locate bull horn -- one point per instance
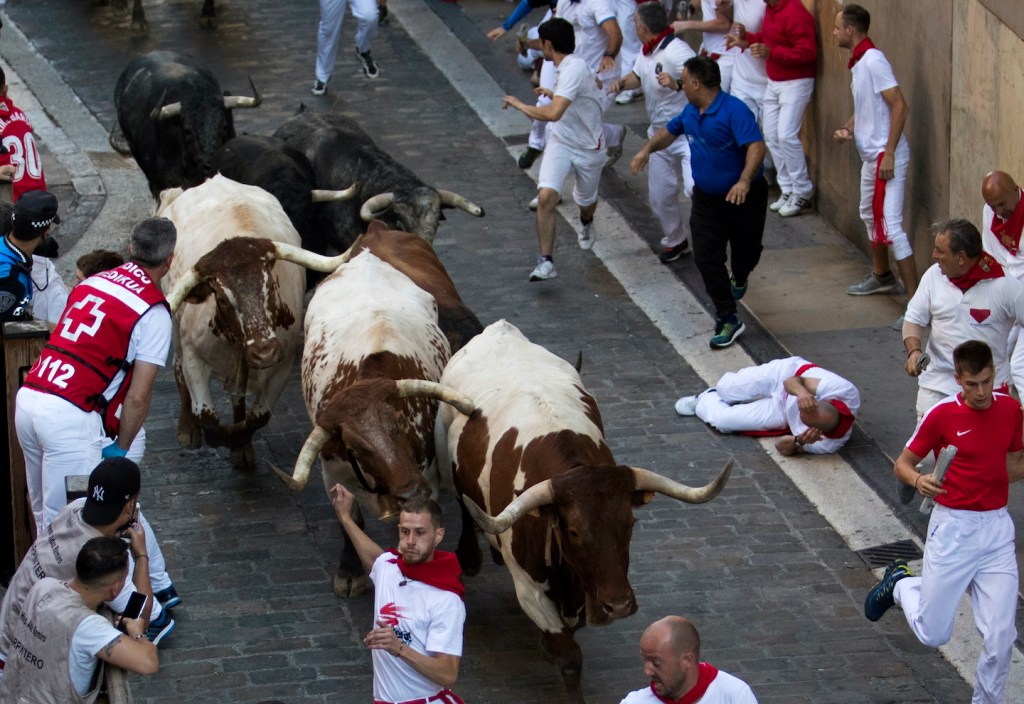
(240, 101)
(181, 290)
(375, 205)
(117, 140)
(421, 387)
(162, 112)
(311, 260)
(454, 200)
(325, 196)
(304, 462)
(536, 496)
(646, 480)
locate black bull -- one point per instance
(173, 116)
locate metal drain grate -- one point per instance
(110, 160)
(882, 555)
(514, 139)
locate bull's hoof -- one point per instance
(190, 438)
(496, 556)
(347, 586)
(243, 457)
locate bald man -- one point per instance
(670, 649)
(1002, 220)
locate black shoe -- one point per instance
(670, 254)
(906, 492)
(319, 88)
(369, 68)
(382, 15)
(527, 158)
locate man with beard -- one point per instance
(416, 644)
(109, 509)
(671, 652)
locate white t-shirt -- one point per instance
(748, 71)
(726, 689)
(986, 312)
(663, 103)
(92, 635)
(831, 387)
(581, 124)
(1013, 264)
(49, 294)
(586, 17)
(425, 618)
(150, 342)
(871, 114)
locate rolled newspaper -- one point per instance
(942, 463)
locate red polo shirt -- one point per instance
(788, 30)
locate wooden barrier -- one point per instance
(23, 342)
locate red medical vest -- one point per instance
(90, 343)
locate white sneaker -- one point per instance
(544, 270)
(783, 199)
(628, 96)
(587, 235)
(615, 152)
(794, 206)
(687, 406)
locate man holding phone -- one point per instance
(416, 642)
(109, 510)
(59, 639)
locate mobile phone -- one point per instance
(136, 602)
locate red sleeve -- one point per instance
(928, 435)
(802, 47)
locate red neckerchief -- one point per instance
(860, 50)
(985, 268)
(706, 675)
(650, 46)
(880, 235)
(443, 572)
(1008, 231)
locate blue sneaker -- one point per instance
(160, 628)
(880, 599)
(168, 598)
(726, 331)
(738, 291)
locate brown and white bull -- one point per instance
(243, 322)
(370, 365)
(534, 457)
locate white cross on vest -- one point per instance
(85, 321)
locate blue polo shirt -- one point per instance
(717, 138)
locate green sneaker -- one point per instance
(738, 291)
(726, 332)
(880, 599)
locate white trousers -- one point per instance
(784, 104)
(624, 12)
(540, 128)
(753, 98)
(748, 399)
(332, 12)
(893, 209)
(967, 550)
(668, 173)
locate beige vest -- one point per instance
(40, 643)
(52, 555)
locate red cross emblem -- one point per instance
(84, 317)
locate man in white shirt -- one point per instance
(964, 296)
(1002, 222)
(655, 73)
(671, 652)
(416, 642)
(811, 408)
(749, 76)
(879, 114)
(576, 142)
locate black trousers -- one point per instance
(721, 229)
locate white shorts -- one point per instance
(559, 160)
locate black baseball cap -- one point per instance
(34, 212)
(114, 481)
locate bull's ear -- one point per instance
(643, 497)
(200, 293)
